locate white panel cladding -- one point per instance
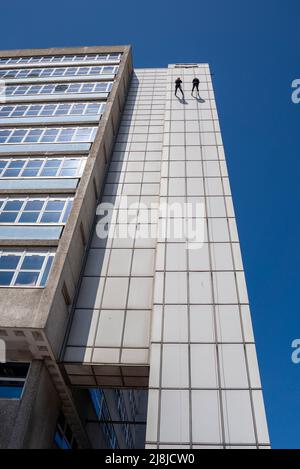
(204, 387)
(115, 300)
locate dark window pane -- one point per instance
(9, 261)
(13, 205)
(59, 88)
(29, 217)
(13, 370)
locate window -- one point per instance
(42, 167)
(48, 135)
(12, 379)
(43, 110)
(58, 72)
(27, 268)
(103, 414)
(64, 438)
(35, 210)
(123, 417)
(60, 58)
(61, 88)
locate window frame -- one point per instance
(55, 107)
(47, 253)
(58, 175)
(23, 135)
(41, 212)
(43, 59)
(42, 72)
(24, 380)
(49, 88)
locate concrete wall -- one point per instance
(30, 421)
(46, 309)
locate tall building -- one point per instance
(123, 305)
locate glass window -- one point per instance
(34, 164)
(48, 172)
(28, 217)
(27, 278)
(12, 379)
(15, 164)
(44, 210)
(57, 72)
(11, 173)
(5, 278)
(32, 262)
(46, 271)
(25, 268)
(34, 205)
(9, 261)
(30, 172)
(62, 58)
(55, 205)
(50, 217)
(63, 437)
(44, 134)
(35, 167)
(102, 413)
(60, 88)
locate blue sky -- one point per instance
(252, 48)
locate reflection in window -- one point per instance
(64, 438)
(123, 418)
(44, 110)
(35, 210)
(48, 135)
(12, 379)
(60, 58)
(58, 72)
(28, 268)
(42, 168)
(61, 88)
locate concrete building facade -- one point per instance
(124, 327)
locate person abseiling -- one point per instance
(196, 82)
(178, 82)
